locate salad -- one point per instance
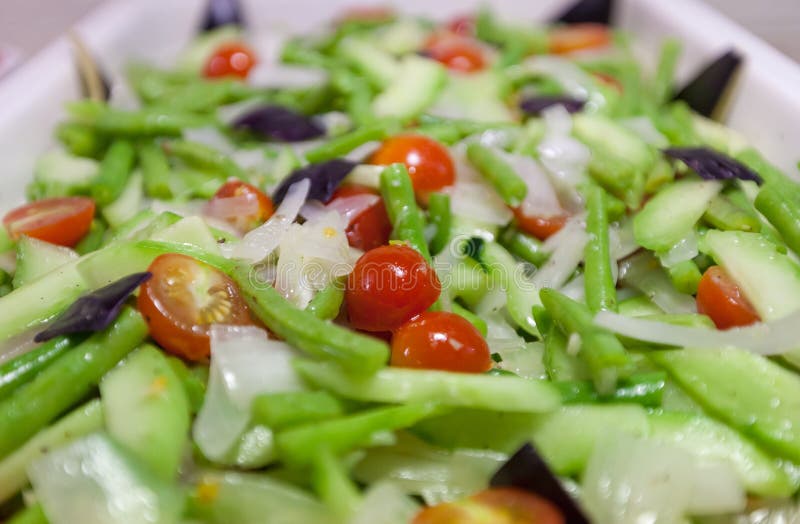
(402, 270)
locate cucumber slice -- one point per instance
(58, 173)
(128, 204)
(476, 97)
(415, 86)
(36, 258)
(670, 215)
(147, 411)
(191, 230)
(377, 65)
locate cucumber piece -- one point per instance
(638, 306)
(147, 411)
(191, 230)
(6, 242)
(156, 224)
(406, 35)
(109, 264)
(58, 173)
(769, 411)
(128, 204)
(36, 258)
(724, 214)
(397, 385)
(475, 97)
(378, 66)
(331, 481)
(717, 135)
(670, 215)
(708, 439)
(134, 225)
(415, 87)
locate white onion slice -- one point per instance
(350, 207)
(283, 76)
(643, 127)
(478, 201)
(566, 255)
(541, 199)
(209, 136)
(683, 250)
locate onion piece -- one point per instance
(575, 81)
(541, 199)
(564, 158)
(683, 250)
(209, 136)
(265, 75)
(567, 253)
(644, 128)
(478, 201)
(350, 207)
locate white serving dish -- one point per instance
(765, 105)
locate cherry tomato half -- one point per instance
(370, 228)
(428, 162)
(540, 227)
(719, 297)
(63, 221)
(458, 53)
(240, 204)
(440, 340)
(388, 286)
(493, 506)
(183, 299)
(232, 59)
(577, 37)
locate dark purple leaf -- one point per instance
(712, 165)
(586, 11)
(95, 311)
(221, 13)
(528, 471)
(279, 123)
(325, 177)
(707, 89)
(534, 105)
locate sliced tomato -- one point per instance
(242, 205)
(540, 227)
(429, 163)
(371, 227)
(463, 25)
(183, 299)
(440, 340)
(63, 221)
(233, 59)
(388, 286)
(459, 53)
(719, 297)
(579, 37)
(493, 506)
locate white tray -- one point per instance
(765, 105)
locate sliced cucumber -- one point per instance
(36, 258)
(128, 204)
(190, 230)
(415, 86)
(58, 173)
(476, 97)
(377, 65)
(147, 411)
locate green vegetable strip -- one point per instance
(22, 369)
(439, 215)
(193, 380)
(31, 515)
(603, 353)
(642, 388)
(155, 170)
(664, 85)
(327, 302)
(341, 145)
(115, 170)
(83, 420)
(80, 139)
(147, 122)
(507, 183)
(401, 206)
(333, 484)
(726, 215)
(523, 246)
(471, 317)
(769, 173)
(782, 212)
(67, 380)
(204, 157)
(280, 410)
(358, 353)
(685, 276)
(300, 444)
(93, 239)
(601, 293)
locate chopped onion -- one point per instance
(209, 136)
(643, 127)
(541, 199)
(250, 159)
(231, 207)
(366, 175)
(622, 241)
(643, 272)
(313, 209)
(525, 361)
(567, 253)
(478, 201)
(362, 152)
(499, 138)
(575, 81)
(386, 503)
(575, 288)
(259, 243)
(565, 158)
(465, 171)
(350, 207)
(266, 75)
(683, 250)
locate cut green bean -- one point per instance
(497, 171)
(281, 410)
(327, 302)
(115, 169)
(356, 352)
(341, 145)
(23, 368)
(147, 122)
(81, 139)
(523, 246)
(204, 157)
(401, 206)
(439, 215)
(600, 290)
(685, 276)
(782, 211)
(31, 515)
(67, 380)
(640, 388)
(93, 239)
(155, 170)
(724, 214)
(194, 382)
(769, 173)
(471, 317)
(332, 482)
(663, 85)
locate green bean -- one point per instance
(194, 382)
(81, 139)
(67, 380)
(155, 170)
(93, 239)
(685, 276)
(146, 122)
(724, 214)
(603, 353)
(769, 173)
(559, 364)
(356, 352)
(203, 97)
(115, 169)
(439, 215)
(204, 157)
(523, 246)
(401, 206)
(782, 211)
(343, 144)
(294, 52)
(601, 293)
(640, 388)
(471, 317)
(664, 82)
(281, 410)
(502, 177)
(443, 133)
(358, 95)
(23, 368)
(333, 484)
(327, 302)
(31, 515)
(83, 420)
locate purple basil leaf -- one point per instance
(221, 13)
(534, 105)
(705, 91)
(279, 123)
(587, 11)
(95, 311)
(712, 165)
(325, 177)
(528, 471)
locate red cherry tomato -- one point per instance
(231, 59)
(540, 227)
(388, 286)
(370, 228)
(240, 204)
(577, 37)
(719, 297)
(458, 53)
(63, 221)
(183, 299)
(440, 340)
(428, 162)
(493, 506)
(462, 25)
(367, 13)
